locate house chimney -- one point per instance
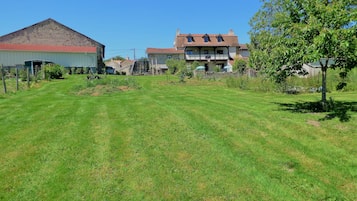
(231, 32)
(177, 32)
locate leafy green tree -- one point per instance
(239, 65)
(116, 58)
(285, 34)
(179, 67)
(176, 66)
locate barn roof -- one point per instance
(47, 48)
(49, 33)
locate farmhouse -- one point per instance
(50, 41)
(212, 50)
(158, 56)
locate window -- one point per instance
(190, 38)
(189, 52)
(219, 51)
(220, 38)
(205, 51)
(169, 56)
(206, 38)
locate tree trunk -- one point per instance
(323, 90)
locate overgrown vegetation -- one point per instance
(240, 65)
(99, 85)
(295, 84)
(53, 71)
(179, 68)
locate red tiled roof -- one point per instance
(243, 46)
(228, 40)
(47, 48)
(163, 51)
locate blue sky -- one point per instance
(123, 26)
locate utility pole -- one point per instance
(134, 54)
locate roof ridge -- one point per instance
(56, 22)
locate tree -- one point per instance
(116, 58)
(175, 66)
(285, 34)
(240, 65)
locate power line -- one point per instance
(120, 52)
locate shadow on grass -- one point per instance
(333, 109)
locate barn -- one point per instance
(50, 41)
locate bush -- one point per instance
(239, 65)
(53, 71)
(23, 75)
(176, 66)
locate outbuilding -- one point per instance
(51, 41)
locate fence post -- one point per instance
(28, 77)
(3, 78)
(17, 78)
(43, 69)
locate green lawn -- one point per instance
(168, 141)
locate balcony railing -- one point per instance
(206, 57)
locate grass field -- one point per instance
(168, 141)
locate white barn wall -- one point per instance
(11, 58)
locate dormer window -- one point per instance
(190, 38)
(220, 38)
(206, 38)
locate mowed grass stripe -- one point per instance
(36, 141)
(283, 164)
(286, 164)
(216, 133)
(156, 142)
(160, 137)
(61, 140)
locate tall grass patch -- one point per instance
(295, 84)
(105, 84)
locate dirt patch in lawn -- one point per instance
(102, 89)
(313, 123)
